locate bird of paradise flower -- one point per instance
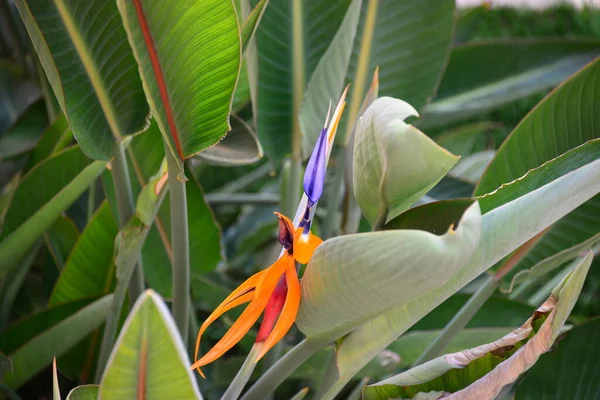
(275, 291)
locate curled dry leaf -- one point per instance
(480, 373)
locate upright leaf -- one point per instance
(81, 47)
(44, 192)
(189, 54)
(149, 360)
(84, 392)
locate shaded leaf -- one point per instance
(23, 135)
(251, 23)
(56, 137)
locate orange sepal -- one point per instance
(288, 313)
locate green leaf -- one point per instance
(60, 239)
(56, 137)
(481, 372)
(189, 55)
(487, 74)
(363, 269)
(469, 138)
(410, 52)
(5, 365)
(283, 76)
(23, 135)
(252, 22)
(89, 270)
(569, 371)
(504, 229)
(471, 167)
(84, 392)
(394, 163)
(547, 143)
(149, 356)
(239, 147)
(57, 183)
(17, 92)
(327, 80)
(71, 41)
(34, 355)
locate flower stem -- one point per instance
(460, 320)
(246, 180)
(241, 378)
(124, 195)
(180, 245)
(243, 198)
(283, 368)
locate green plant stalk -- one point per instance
(194, 328)
(294, 188)
(460, 320)
(283, 368)
(91, 205)
(246, 180)
(243, 375)
(181, 248)
(243, 198)
(329, 377)
(125, 207)
(331, 223)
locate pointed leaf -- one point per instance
(481, 372)
(487, 74)
(189, 54)
(57, 183)
(23, 135)
(239, 147)
(84, 392)
(37, 353)
(327, 81)
(374, 272)
(55, 138)
(394, 163)
(71, 40)
(251, 23)
(149, 359)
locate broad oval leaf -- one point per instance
(38, 352)
(481, 372)
(239, 147)
(374, 272)
(84, 392)
(81, 47)
(526, 216)
(487, 74)
(44, 192)
(394, 163)
(149, 359)
(189, 54)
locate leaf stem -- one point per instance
(243, 198)
(246, 180)
(460, 320)
(181, 247)
(243, 375)
(283, 368)
(125, 207)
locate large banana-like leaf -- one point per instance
(394, 163)
(374, 272)
(480, 373)
(189, 53)
(291, 38)
(327, 80)
(149, 360)
(504, 229)
(558, 126)
(89, 64)
(410, 51)
(487, 74)
(38, 352)
(44, 192)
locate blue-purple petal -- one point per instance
(314, 176)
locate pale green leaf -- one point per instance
(149, 356)
(84, 392)
(327, 80)
(375, 272)
(80, 46)
(189, 54)
(394, 163)
(251, 22)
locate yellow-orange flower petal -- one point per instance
(288, 313)
(305, 245)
